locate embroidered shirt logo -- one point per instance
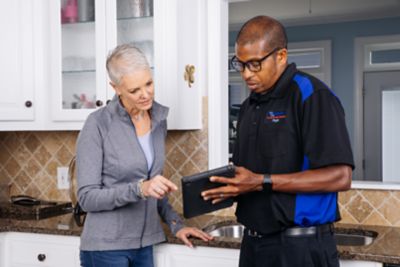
(275, 116)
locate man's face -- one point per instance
(136, 91)
(271, 67)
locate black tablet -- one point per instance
(193, 185)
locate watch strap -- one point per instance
(267, 182)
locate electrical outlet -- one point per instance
(62, 178)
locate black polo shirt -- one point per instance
(298, 125)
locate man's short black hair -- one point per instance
(263, 28)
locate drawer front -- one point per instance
(43, 254)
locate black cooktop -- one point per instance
(34, 212)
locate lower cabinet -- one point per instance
(2, 250)
(24, 249)
(350, 263)
(35, 250)
(168, 255)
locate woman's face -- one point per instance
(136, 91)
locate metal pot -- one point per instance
(134, 8)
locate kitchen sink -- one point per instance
(344, 237)
(347, 239)
(231, 230)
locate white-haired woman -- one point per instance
(120, 159)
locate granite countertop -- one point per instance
(385, 247)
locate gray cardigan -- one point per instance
(110, 162)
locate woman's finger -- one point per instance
(186, 241)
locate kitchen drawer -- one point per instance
(42, 250)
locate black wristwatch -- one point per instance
(267, 182)
(267, 179)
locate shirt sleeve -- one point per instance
(324, 133)
(169, 216)
(92, 196)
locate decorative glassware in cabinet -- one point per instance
(135, 25)
(78, 48)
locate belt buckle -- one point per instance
(301, 231)
(253, 233)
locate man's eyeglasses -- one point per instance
(252, 65)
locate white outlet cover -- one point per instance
(62, 178)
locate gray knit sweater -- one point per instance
(110, 162)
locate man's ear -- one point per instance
(282, 55)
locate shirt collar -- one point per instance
(280, 87)
(158, 112)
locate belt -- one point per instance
(297, 231)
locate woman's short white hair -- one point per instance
(125, 59)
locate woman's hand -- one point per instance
(158, 187)
(186, 232)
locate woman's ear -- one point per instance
(115, 87)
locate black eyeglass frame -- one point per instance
(252, 68)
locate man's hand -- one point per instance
(244, 181)
(158, 187)
(186, 232)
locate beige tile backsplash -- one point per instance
(29, 161)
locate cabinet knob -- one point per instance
(28, 104)
(189, 74)
(108, 101)
(41, 257)
(99, 103)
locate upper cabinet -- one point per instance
(77, 55)
(75, 39)
(17, 79)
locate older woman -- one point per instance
(120, 159)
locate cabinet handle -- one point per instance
(41, 257)
(189, 74)
(28, 104)
(99, 103)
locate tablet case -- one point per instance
(193, 185)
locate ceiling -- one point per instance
(301, 12)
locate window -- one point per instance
(313, 58)
(382, 56)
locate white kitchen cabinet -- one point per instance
(77, 61)
(350, 263)
(168, 255)
(55, 71)
(26, 249)
(17, 66)
(2, 250)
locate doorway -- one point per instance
(381, 97)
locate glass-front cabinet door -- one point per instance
(170, 33)
(83, 33)
(131, 21)
(78, 81)
(135, 25)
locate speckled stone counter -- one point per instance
(385, 248)
(58, 225)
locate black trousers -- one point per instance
(279, 250)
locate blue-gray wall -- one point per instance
(342, 36)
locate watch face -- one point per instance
(267, 179)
